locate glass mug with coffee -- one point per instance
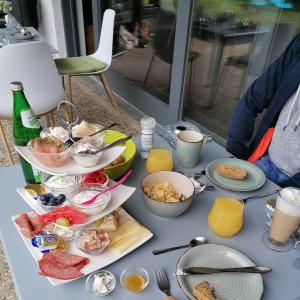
(285, 220)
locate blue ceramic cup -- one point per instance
(189, 146)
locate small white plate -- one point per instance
(118, 196)
(70, 167)
(227, 286)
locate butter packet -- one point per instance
(45, 241)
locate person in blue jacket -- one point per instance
(277, 92)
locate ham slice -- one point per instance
(61, 265)
(24, 224)
(29, 225)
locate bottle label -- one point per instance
(37, 174)
(29, 120)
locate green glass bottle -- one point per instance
(25, 127)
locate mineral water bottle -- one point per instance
(25, 127)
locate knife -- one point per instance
(205, 270)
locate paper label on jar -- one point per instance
(29, 120)
(147, 142)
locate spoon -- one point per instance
(112, 145)
(113, 186)
(200, 240)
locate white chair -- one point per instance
(33, 65)
(94, 64)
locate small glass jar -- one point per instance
(148, 125)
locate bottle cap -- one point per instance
(148, 123)
(16, 86)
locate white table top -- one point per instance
(281, 283)
(37, 37)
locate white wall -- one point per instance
(51, 24)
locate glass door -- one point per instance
(232, 42)
(143, 65)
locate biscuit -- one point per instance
(203, 291)
(236, 173)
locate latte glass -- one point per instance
(285, 220)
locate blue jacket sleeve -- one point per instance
(256, 99)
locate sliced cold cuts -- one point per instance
(29, 225)
(62, 265)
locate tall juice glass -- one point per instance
(159, 160)
(226, 216)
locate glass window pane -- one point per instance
(232, 43)
(143, 44)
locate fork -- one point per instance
(162, 280)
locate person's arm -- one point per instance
(292, 181)
(258, 97)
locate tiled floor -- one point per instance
(93, 107)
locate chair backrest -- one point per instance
(104, 51)
(164, 36)
(32, 64)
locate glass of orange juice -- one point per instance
(226, 216)
(159, 160)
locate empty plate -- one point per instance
(254, 180)
(227, 286)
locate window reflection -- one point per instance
(236, 40)
(145, 32)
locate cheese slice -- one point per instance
(128, 234)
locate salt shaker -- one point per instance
(148, 125)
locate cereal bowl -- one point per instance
(182, 186)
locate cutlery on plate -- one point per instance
(200, 240)
(261, 195)
(205, 270)
(162, 280)
(110, 146)
(70, 142)
(111, 187)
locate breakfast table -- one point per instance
(281, 283)
(4, 33)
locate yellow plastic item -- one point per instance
(129, 153)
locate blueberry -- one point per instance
(52, 202)
(44, 198)
(61, 198)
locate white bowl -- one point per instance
(91, 209)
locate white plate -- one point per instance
(96, 262)
(227, 286)
(70, 167)
(118, 196)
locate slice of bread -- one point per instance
(236, 173)
(203, 291)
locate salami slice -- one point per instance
(64, 273)
(82, 264)
(67, 259)
(61, 265)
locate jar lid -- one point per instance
(148, 123)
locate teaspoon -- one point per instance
(200, 240)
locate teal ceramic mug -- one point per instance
(189, 146)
